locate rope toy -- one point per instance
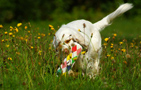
(69, 61)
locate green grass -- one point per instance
(29, 62)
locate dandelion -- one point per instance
(38, 37)
(10, 34)
(83, 52)
(18, 53)
(43, 35)
(50, 26)
(2, 40)
(105, 44)
(9, 58)
(49, 34)
(11, 28)
(13, 36)
(112, 58)
(1, 26)
(40, 52)
(25, 27)
(114, 35)
(19, 24)
(39, 34)
(21, 38)
(125, 62)
(111, 46)
(123, 50)
(26, 40)
(7, 46)
(120, 43)
(79, 30)
(128, 56)
(108, 55)
(49, 48)
(106, 39)
(31, 47)
(5, 33)
(132, 45)
(28, 31)
(16, 29)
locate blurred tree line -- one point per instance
(22, 10)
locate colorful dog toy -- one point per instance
(69, 61)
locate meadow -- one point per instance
(28, 61)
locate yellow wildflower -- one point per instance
(9, 58)
(18, 53)
(125, 62)
(26, 40)
(5, 33)
(132, 45)
(16, 29)
(43, 35)
(108, 55)
(50, 26)
(38, 37)
(13, 36)
(120, 43)
(19, 24)
(106, 39)
(123, 50)
(25, 27)
(111, 46)
(112, 58)
(11, 27)
(28, 31)
(49, 48)
(10, 34)
(2, 40)
(115, 35)
(39, 34)
(40, 52)
(21, 38)
(31, 47)
(83, 52)
(1, 26)
(48, 33)
(105, 44)
(7, 46)
(79, 30)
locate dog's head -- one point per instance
(65, 38)
(64, 44)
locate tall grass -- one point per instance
(27, 59)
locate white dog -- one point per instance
(87, 35)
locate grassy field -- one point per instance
(27, 58)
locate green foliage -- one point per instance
(24, 10)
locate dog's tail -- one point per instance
(100, 25)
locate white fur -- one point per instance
(89, 38)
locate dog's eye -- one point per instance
(67, 41)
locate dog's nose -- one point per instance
(66, 51)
